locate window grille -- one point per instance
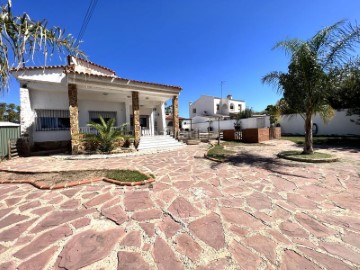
(50, 120)
(94, 116)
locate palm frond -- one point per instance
(326, 113)
(343, 43)
(290, 46)
(21, 38)
(273, 78)
(321, 38)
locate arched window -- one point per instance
(231, 106)
(170, 124)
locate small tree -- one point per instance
(106, 134)
(309, 82)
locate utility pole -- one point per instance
(219, 117)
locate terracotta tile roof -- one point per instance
(92, 63)
(38, 67)
(119, 78)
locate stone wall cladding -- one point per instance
(255, 135)
(175, 102)
(136, 116)
(275, 133)
(74, 118)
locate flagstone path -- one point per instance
(255, 212)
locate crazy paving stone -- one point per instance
(240, 217)
(43, 241)
(15, 231)
(169, 227)
(132, 239)
(263, 245)
(291, 260)
(56, 218)
(147, 215)
(149, 228)
(164, 257)
(188, 247)
(100, 199)
(341, 251)
(8, 266)
(11, 219)
(313, 226)
(215, 265)
(116, 214)
(131, 261)
(137, 200)
(210, 230)
(88, 247)
(182, 208)
(39, 261)
(324, 259)
(244, 257)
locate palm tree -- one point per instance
(21, 38)
(106, 134)
(308, 84)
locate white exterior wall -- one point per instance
(49, 101)
(98, 105)
(204, 103)
(208, 104)
(340, 124)
(202, 123)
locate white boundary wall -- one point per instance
(340, 124)
(202, 123)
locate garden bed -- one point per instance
(56, 180)
(316, 157)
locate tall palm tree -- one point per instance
(21, 38)
(309, 83)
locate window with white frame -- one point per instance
(239, 107)
(231, 106)
(52, 120)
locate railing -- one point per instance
(90, 130)
(197, 135)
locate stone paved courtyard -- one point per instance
(255, 212)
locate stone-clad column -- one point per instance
(175, 115)
(74, 118)
(136, 116)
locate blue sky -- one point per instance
(195, 44)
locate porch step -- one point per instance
(158, 143)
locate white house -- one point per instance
(211, 106)
(184, 123)
(57, 102)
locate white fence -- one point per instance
(340, 124)
(256, 122)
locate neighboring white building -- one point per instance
(211, 106)
(184, 124)
(57, 102)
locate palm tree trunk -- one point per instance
(308, 146)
